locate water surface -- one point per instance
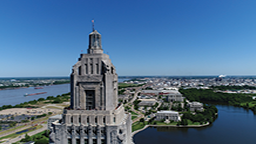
(16, 96)
(233, 125)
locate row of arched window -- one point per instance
(86, 69)
(88, 120)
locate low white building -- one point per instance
(193, 106)
(174, 97)
(168, 115)
(147, 102)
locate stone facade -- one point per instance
(94, 115)
(53, 119)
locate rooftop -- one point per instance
(174, 112)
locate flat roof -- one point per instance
(174, 112)
(57, 116)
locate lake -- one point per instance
(233, 125)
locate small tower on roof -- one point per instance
(94, 41)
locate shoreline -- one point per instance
(181, 126)
(13, 88)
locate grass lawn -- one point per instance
(133, 113)
(12, 129)
(15, 135)
(53, 107)
(191, 123)
(137, 126)
(40, 133)
(251, 104)
(134, 117)
(162, 123)
(125, 85)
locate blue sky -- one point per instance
(147, 37)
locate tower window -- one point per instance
(86, 141)
(94, 141)
(69, 141)
(79, 119)
(71, 120)
(77, 141)
(86, 69)
(91, 68)
(97, 68)
(114, 119)
(112, 70)
(90, 99)
(104, 120)
(96, 120)
(88, 121)
(79, 70)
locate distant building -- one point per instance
(123, 97)
(147, 102)
(195, 106)
(159, 92)
(171, 97)
(168, 115)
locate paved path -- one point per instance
(140, 114)
(53, 105)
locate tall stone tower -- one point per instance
(94, 115)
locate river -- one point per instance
(233, 125)
(16, 96)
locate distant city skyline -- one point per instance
(150, 38)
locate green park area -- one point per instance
(39, 138)
(125, 85)
(209, 96)
(134, 117)
(138, 125)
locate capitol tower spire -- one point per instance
(94, 41)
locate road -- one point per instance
(23, 136)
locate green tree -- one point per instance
(41, 99)
(142, 120)
(42, 141)
(184, 122)
(26, 139)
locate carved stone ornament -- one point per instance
(113, 137)
(52, 136)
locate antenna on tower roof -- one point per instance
(92, 24)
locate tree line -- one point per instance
(201, 95)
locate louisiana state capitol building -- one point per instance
(94, 115)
